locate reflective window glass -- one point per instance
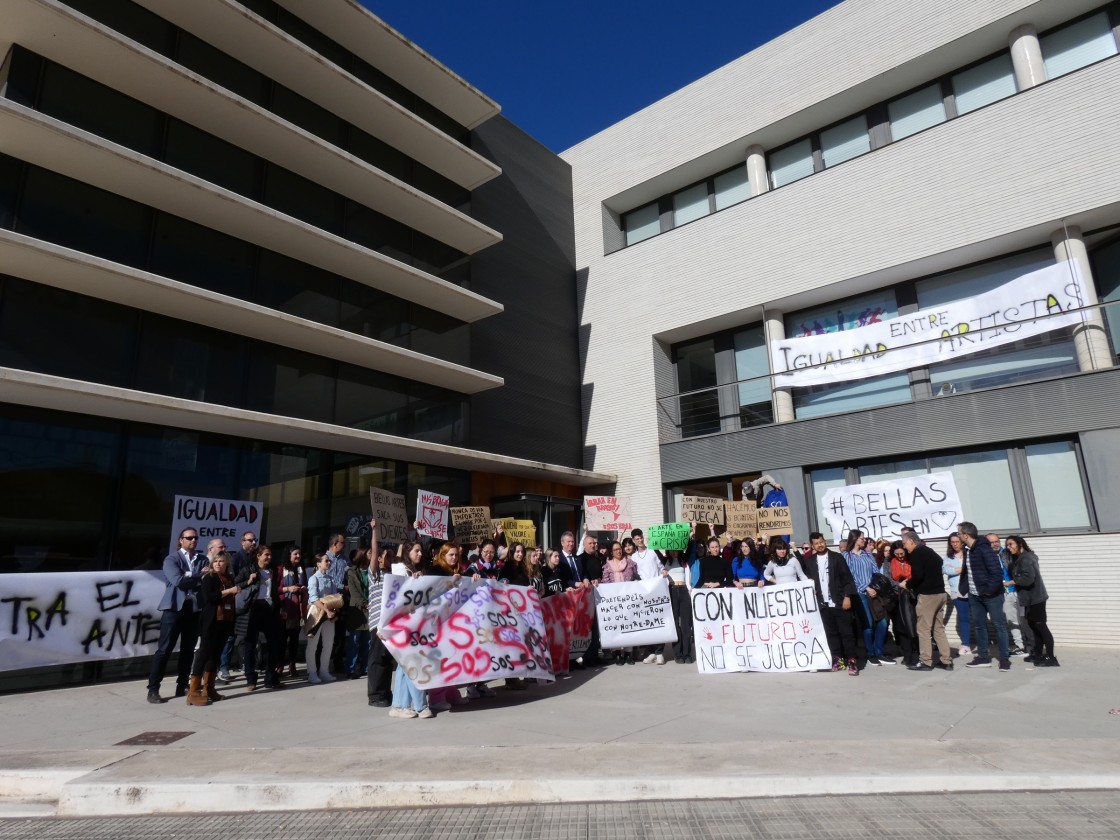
(732, 187)
(791, 163)
(690, 204)
(845, 141)
(1058, 490)
(642, 223)
(1078, 45)
(985, 83)
(916, 111)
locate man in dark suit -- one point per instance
(183, 571)
(592, 565)
(571, 569)
(836, 591)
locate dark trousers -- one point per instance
(840, 630)
(682, 617)
(1043, 638)
(210, 646)
(379, 670)
(261, 621)
(173, 626)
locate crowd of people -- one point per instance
(244, 601)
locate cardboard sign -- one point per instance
(53, 619)
(927, 503)
(775, 629)
(702, 509)
(445, 634)
(607, 513)
(432, 513)
(672, 536)
(522, 531)
(635, 613)
(742, 518)
(774, 522)
(227, 519)
(391, 514)
(472, 524)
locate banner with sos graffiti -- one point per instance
(446, 633)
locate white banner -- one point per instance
(777, 628)
(446, 635)
(635, 613)
(963, 327)
(53, 618)
(225, 518)
(881, 509)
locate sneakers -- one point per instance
(486, 691)
(398, 712)
(884, 660)
(921, 666)
(873, 660)
(659, 659)
(225, 677)
(853, 668)
(1048, 662)
(837, 665)
(439, 707)
(472, 693)
(1005, 664)
(964, 650)
(325, 676)
(313, 678)
(153, 697)
(980, 662)
(1017, 652)
(426, 712)
(651, 659)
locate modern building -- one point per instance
(268, 251)
(879, 160)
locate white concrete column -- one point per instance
(1090, 339)
(756, 170)
(1026, 56)
(780, 398)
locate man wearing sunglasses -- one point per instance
(183, 571)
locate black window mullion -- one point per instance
(878, 126)
(711, 182)
(665, 212)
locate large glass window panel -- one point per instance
(985, 83)
(377, 232)
(296, 288)
(977, 279)
(690, 204)
(823, 481)
(212, 159)
(696, 372)
(642, 223)
(890, 470)
(916, 111)
(732, 187)
(181, 359)
(221, 68)
(1077, 45)
(436, 415)
(292, 384)
(207, 258)
(845, 141)
(983, 482)
(752, 360)
(10, 171)
(1058, 490)
(1106, 271)
(366, 399)
(791, 163)
(302, 199)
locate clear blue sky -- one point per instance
(563, 71)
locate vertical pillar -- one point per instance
(780, 398)
(1090, 340)
(1026, 56)
(756, 170)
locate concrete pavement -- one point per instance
(620, 733)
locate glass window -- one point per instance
(916, 111)
(1058, 491)
(202, 256)
(222, 69)
(845, 141)
(791, 163)
(983, 481)
(290, 383)
(891, 470)
(296, 288)
(212, 159)
(690, 204)
(1106, 271)
(302, 199)
(732, 187)
(642, 223)
(181, 359)
(851, 314)
(1077, 45)
(696, 370)
(751, 360)
(977, 86)
(823, 481)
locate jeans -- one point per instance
(227, 652)
(405, 693)
(357, 650)
(874, 632)
(964, 623)
(983, 608)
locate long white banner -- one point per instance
(52, 618)
(635, 613)
(777, 628)
(881, 509)
(1002, 316)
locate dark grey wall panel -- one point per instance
(534, 343)
(1064, 406)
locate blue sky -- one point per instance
(563, 71)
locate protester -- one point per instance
(515, 570)
(927, 583)
(179, 613)
(905, 616)
(536, 570)
(337, 573)
(319, 646)
(379, 662)
(363, 566)
(1032, 597)
(570, 565)
(553, 576)
(260, 620)
(1019, 637)
(983, 577)
(445, 563)
(620, 568)
(408, 700)
(746, 565)
(293, 606)
(952, 567)
(783, 567)
(836, 590)
(216, 593)
(678, 568)
(861, 563)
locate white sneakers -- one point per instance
(964, 650)
(313, 678)
(652, 658)
(425, 713)
(398, 712)
(659, 659)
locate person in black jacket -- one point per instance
(836, 591)
(982, 578)
(927, 583)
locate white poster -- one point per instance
(635, 613)
(432, 514)
(1030, 305)
(881, 509)
(224, 518)
(50, 618)
(776, 629)
(607, 513)
(445, 634)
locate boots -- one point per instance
(196, 696)
(208, 685)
